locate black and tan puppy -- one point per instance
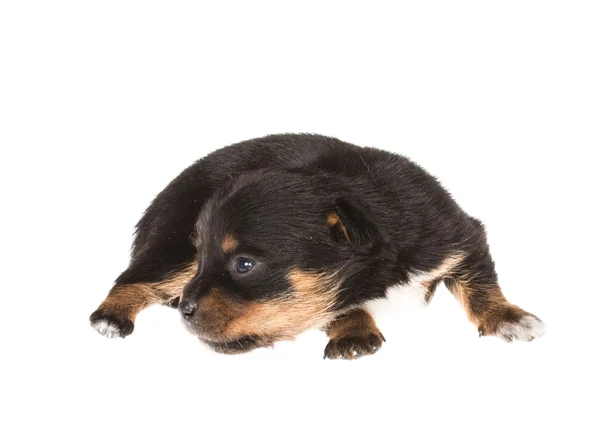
(264, 239)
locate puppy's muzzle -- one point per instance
(205, 317)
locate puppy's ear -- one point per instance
(349, 223)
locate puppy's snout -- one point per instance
(188, 309)
(208, 314)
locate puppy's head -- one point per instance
(274, 249)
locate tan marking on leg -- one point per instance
(476, 288)
(127, 300)
(486, 306)
(352, 335)
(431, 278)
(462, 285)
(229, 243)
(465, 293)
(355, 322)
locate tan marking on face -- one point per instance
(309, 304)
(127, 300)
(334, 221)
(217, 310)
(229, 243)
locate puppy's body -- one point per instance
(263, 239)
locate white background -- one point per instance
(103, 103)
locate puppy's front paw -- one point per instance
(354, 346)
(110, 325)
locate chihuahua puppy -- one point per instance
(264, 239)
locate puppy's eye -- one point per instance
(243, 264)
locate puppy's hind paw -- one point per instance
(527, 328)
(513, 324)
(109, 325)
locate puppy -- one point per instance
(264, 239)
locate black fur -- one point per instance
(299, 178)
(274, 194)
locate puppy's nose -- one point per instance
(188, 308)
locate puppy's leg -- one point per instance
(115, 317)
(353, 335)
(162, 259)
(475, 285)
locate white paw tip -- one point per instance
(106, 328)
(526, 329)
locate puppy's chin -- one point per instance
(241, 345)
